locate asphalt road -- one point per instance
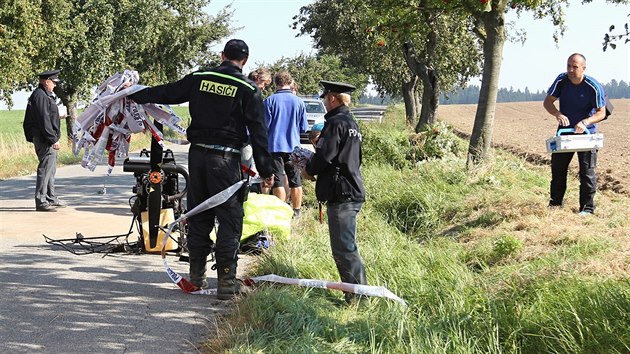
(56, 302)
(369, 113)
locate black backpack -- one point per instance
(609, 107)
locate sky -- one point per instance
(265, 26)
(534, 64)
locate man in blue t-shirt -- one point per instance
(582, 104)
(286, 119)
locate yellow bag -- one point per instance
(264, 212)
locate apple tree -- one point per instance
(308, 70)
(488, 17)
(397, 43)
(90, 40)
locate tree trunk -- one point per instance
(430, 101)
(418, 106)
(411, 99)
(73, 113)
(70, 100)
(428, 75)
(481, 137)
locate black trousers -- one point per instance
(210, 173)
(46, 169)
(588, 178)
(342, 226)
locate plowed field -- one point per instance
(523, 127)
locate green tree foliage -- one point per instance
(30, 35)
(395, 43)
(337, 28)
(611, 38)
(91, 39)
(174, 36)
(433, 42)
(308, 70)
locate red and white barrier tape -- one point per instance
(359, 289)
(209, 203)
(111, 109)
(221, 197)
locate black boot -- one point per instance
(229, 287)
(355, 299)
(198, 272)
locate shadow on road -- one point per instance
(54, 301)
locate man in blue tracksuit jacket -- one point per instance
(582, 105)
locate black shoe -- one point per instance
(58, 204)
(46, 207)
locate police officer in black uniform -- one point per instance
(224, 105)
(42, 128)
(337, 163)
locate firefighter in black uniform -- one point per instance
(224, 105)
(337, 163)
(42, 128)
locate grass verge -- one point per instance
(483, 265)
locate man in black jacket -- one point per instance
(337, 163)
(42, 128)
(224, 105)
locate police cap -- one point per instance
(336, 87)
(52, 75)
(236, 49)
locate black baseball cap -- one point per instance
(52, 75)
(236, 49)
(337, 87)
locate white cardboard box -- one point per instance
(571, 143)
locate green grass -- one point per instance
(482, 264)
(17, 156)
(11, 122)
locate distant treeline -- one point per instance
(614, 89)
